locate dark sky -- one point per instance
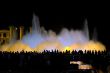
(57, 17)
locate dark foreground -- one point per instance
(52, 62)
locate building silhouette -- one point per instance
(6, 35)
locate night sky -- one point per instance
(55, 18)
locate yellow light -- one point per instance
(67, 48)
(86, 66)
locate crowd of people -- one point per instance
(50, 62)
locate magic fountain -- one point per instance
(40, 39)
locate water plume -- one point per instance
(40, 40)
(86, 30)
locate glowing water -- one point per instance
(40, 40)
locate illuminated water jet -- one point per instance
(40, 39)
